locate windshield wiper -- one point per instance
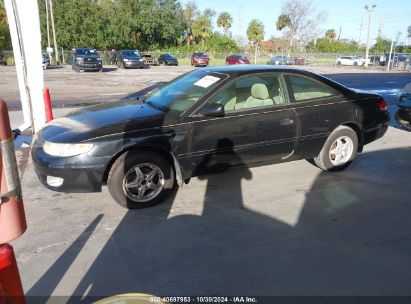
(154, 106)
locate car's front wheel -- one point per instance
(140, 179)
(339, 150)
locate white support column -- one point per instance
(24, 23)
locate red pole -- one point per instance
(12, 218)
(47, 104)
(11, 290)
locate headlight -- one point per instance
(79, 58)
(65, 150)
(125, 60)
(141, 59)
(98, 59)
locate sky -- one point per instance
(391, 16)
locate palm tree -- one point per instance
(255, 33)
(202, 28)
(282, 22)
(190, 12)
(225, 20)
(330, 34)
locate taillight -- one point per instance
(382, 105)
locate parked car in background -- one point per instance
(148, 59)
(199, 59)
(203, 121)
(351, 60)
(167, 59)
(2, 59)
(403, 114)
(129, 59)
(86, 59)
(377, 60)
(45, 60)
(237, 59)
(281, 60)
(298, 60)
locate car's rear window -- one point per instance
(306, 89)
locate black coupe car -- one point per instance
(167, 59)
(202, 121)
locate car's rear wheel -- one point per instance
(338, 62)
(355, 63)
(139, 179)
(339, 150)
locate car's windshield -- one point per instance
(86, 52)
(184, 91)
(133, 54)
(167, 56)
(200, 55)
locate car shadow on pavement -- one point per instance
(351, 238)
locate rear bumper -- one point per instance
(373, 134)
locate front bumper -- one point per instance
(134, 64)
(81, 173)
(89, 66)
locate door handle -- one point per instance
(286, 122)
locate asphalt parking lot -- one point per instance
(286, 229)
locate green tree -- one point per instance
(330, 34)
(202, 28)
(382, 45)
(282, 22)
(255, 31)
(5, 39)
(225, 21)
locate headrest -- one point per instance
(259, 91)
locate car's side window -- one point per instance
(251, 92)
(306, 89)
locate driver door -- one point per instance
(258, 124)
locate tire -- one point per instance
(406, 124)
(355, 64)
(338, 62)
(124, 170)
(328, 160)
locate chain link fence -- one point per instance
(218, 58)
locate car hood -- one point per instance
(108, 119)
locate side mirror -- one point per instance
(213, 109)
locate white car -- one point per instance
(351, 60)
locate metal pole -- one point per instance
(367, 49)
(47, 23)
(389, 57)
(54, 32)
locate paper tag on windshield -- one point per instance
(206, 81)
